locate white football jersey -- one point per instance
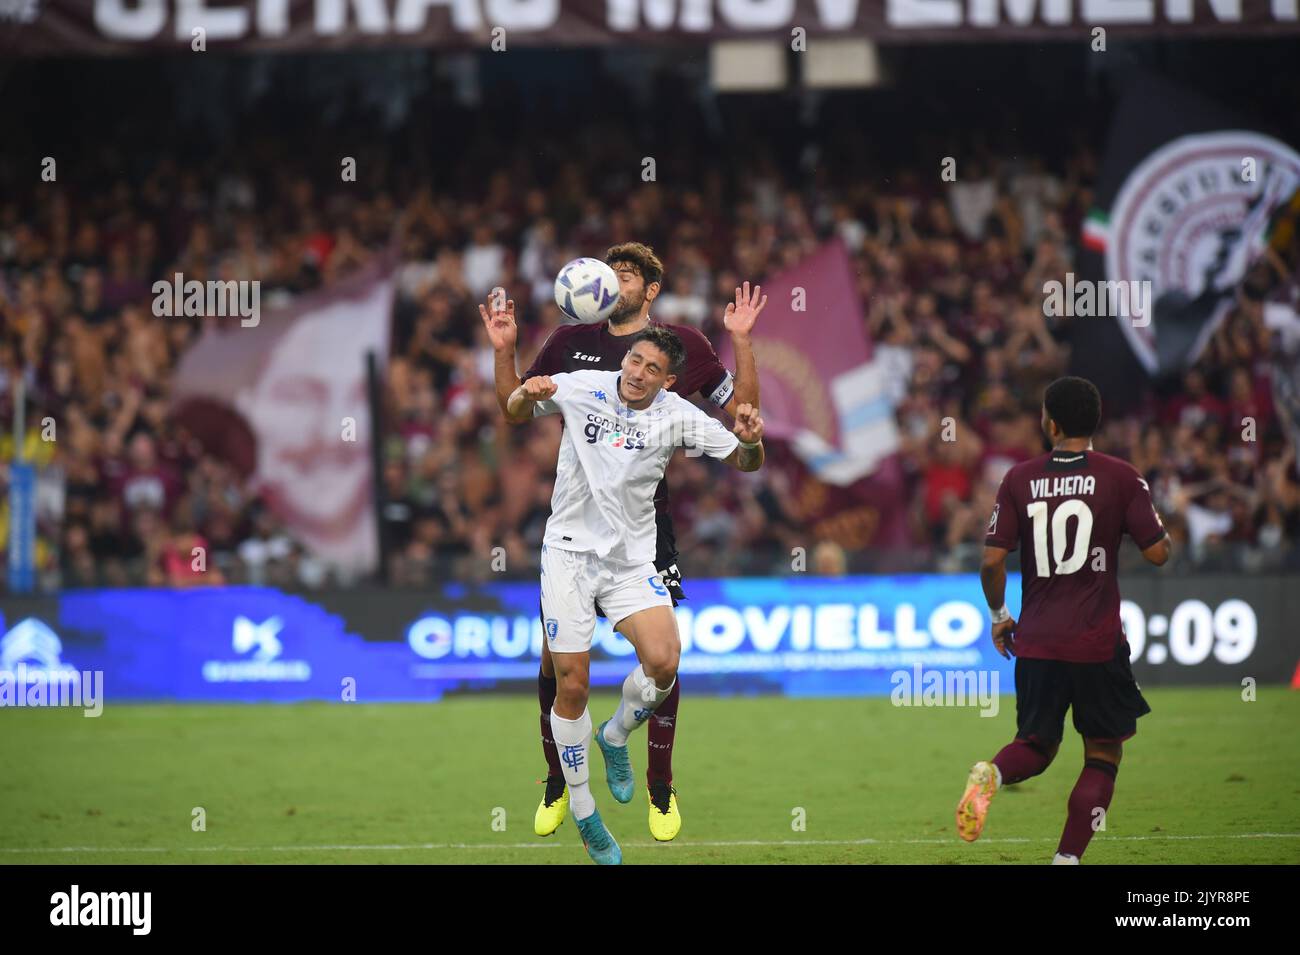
(612, 458)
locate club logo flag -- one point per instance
(1185, 202)
(821, 390)
(286, 403)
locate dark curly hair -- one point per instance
(639, 256)
(1075, 405)
(666, 341)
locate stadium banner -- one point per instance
(826, 398)
(285, 402)
(1186, 202)
(62, 27)
(921, 640)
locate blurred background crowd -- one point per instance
(950, 277)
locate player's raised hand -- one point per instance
(741, 314)
(749, 426)
(499, 319)
(539, 388)
(1004, 639)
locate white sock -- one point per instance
(1065, 859)
(997, 776)
(640, 698)
(571, 739)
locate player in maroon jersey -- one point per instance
(1067, 511)
(602, 346)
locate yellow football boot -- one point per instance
(553, 807)
(665, 820)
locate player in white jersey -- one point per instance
(620, 430)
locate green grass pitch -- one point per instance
(1208, 779)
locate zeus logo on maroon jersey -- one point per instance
(581, 357)
(993, 519)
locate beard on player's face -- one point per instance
(628, 308)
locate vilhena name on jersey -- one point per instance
(1066, 512)
(1069, 486)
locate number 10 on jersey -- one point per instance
(1078, 548)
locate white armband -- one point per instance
(722, 394)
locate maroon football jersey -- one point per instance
(574, 347)
(1070, 509)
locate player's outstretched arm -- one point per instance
(993, 578)
(498, 315)
(749, 429)
(519, 406)
(738, 320)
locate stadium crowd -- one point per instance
(950, 276)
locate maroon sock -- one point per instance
(546, 697)
(1093, 791)
(1019, 760)
(662, 729)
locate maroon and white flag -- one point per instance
(286, 402)
(822, 389)
(826, 394)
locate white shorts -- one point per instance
(573, 582)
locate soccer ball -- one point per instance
(586, 290)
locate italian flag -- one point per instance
(1096, 230)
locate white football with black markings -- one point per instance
(586, 290)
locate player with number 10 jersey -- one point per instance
(1067, 512)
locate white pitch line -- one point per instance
(721, 844)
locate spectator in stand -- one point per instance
(950, 279)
